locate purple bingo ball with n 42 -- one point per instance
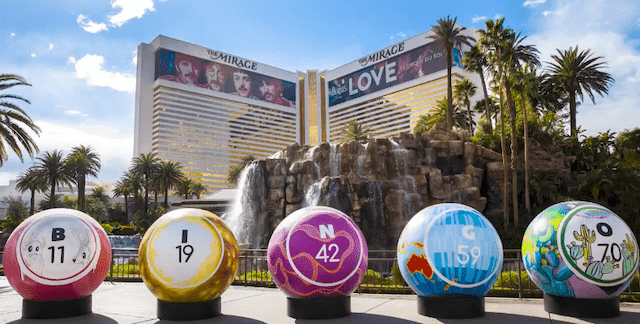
(317, 252)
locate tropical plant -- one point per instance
(354, 131)
(198, 189)
(579, 72)
(168, 177)
(439, 115)
(16, 212)
(185, 188)
(145, 168)
(83, 161)
(15, 122)
(449, 34)
(53, 168)
(475, 61)
(491, 41)
(31, 180)
(463, 90)
(100, 193)
(233, 175)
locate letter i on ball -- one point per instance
(188, 258)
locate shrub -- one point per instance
(107, 228)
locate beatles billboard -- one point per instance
(389, 70)
(235, 77)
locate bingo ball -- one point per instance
(449, 249)
(57, 254)
(580, 249)
(188, 256)
(317, 252)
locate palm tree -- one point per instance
(145, 167)
(185, 188)
(476, 61)
(123, 188)
(32, 181)
(579, 72)
(463, 90)
(439, 115)
(233, 175)
(354, 131)
(100, 193)
(83, 161)
(14, 121)
(491, 41)
(515, 54)
(168, 177)
(449, 34)
(198, 189)
(53, 168)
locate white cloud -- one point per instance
(478, 19)
(13, 34)
(34, 55)
(129, 9)
(73, 112)
(498, 16)
(90, 26)
(399, 35)
(533, 3)
(134, 60)
(50, 46)
(90, 68)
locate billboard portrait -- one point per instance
(215, 76)
(402, 68)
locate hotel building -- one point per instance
(207, 109)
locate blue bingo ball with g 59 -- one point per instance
(449, 249)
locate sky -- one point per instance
(80, 55)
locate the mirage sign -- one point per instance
(404, 67)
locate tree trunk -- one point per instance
(166, 199)
(449, 48)
(527, 201)
(486, 101)
(33, 201)
(573, 127)
(503, 146)
(514, 151)
(52, 201)
(81, 199)
(469, 113)
(126, 206)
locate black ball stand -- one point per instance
(319, 308)
(582, 307)
(451, 306)
(189, 311)
(37, 309)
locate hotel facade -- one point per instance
(208, 109)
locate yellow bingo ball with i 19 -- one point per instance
(188, 256)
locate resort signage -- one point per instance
(392, 66)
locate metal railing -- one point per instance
(382, 275)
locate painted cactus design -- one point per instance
(576, 251)
(586, 238)
(628, 254)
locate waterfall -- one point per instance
(312, 195)
(248, 218)
(372, 215)
(406, 181)
(335, 160)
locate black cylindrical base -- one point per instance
(189, 311)
(582, 307)
(451, 306)
(319, 308)
(35, 309)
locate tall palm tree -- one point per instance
(123, 188)
(491, 41)
(579, 72)
(83, 161)
(449, 34)
(32, 181)
(515, 55)
(145, 167)
(198, 189)
(168, 177)
(53, 168)
(14, 122)
(475, 61)
(100, 193)
(463, 90)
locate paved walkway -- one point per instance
(133, 303)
